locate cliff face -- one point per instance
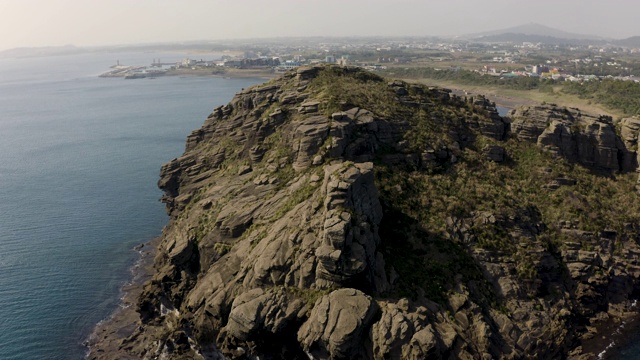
(584, 138)
(331, 214)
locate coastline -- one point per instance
(230, 73)
(106, 338)
(610, 337)
(626, 341)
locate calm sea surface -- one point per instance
(79, 162)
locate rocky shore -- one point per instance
(107, 336)
(334, 214)
(611, 335)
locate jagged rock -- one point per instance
(256, 153)
(404, 332)
(629, 129)
(576, 136)
(245, 169)
(349, 240)
(306, 73)
(338, 324)
(308, 107)
(310, 134)
(180, 249)
(258, 311)
(422, 345)
(491, 125)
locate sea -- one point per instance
(79, 161)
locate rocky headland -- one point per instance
(334, 214)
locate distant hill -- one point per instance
(533, 29)
(520, 38)
(632, 42)
(536, 33)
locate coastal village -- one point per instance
(503, 59)
(268, 64)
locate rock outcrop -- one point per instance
(629, 131)
(589, 140)
(331, 214)
(337, 325)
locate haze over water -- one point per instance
(79, 162)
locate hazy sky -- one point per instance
(106, 22)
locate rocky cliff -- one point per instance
(332, 214)
(584, 138)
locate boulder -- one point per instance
(338, 325)
(391, 333)
(257, 311)
(309, 107)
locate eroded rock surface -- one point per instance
(288, 240)
(576, 136)
(338, 325)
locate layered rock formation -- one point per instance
(584, 138)
(330, 214)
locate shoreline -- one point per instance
(612, 336)
(107, 335)
(227, 73)
(626, 341)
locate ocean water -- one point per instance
(502, 111)
(79, 162)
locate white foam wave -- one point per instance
(618, 331)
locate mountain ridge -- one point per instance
(537, 33)
(534, 29)
(331, 213)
